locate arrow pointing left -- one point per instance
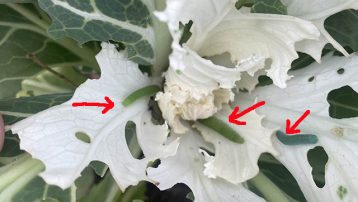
(236, 114)
(108, 105)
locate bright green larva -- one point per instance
(146, 91)
(296, 139)
(222, 128)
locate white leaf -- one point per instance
(249, 82)
(249, 38)
(196, 89)
(339, 137)
(318, 11)
(187, 167)
(50, 135)
(236, 162)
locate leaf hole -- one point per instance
(343, 103)
(132, 141)
(179, 192)
(83, 137)
(318, 158)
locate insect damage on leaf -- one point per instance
(83, 137)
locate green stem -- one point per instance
(163, 40)
(34, 168)
(29, 15)
(270, 191)
(130, 194)
(84, 53)
(13, 170)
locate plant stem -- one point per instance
(41, 64)
(163, 40)
(86, 54)
(34, 167)
(11, 172)
(270, 191)
(29, 15)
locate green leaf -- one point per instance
(247, 3)
(269, 6)
(46, 82)
(14, 110)
(302, 61)
(343, 102)
(20, 37)
(85, 183)
(11, 146)
(38, 190)
(263, 6)
(128, 22)
(99, 168)
(106, 190)
(279, 175)
(19, 181)
(16, 1)
(343, 27)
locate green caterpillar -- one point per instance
(296, 139)
(222, 128)
(146, 91)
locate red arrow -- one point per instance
(292, 129)
(235, 115)
(107, 106)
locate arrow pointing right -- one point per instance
(292, 129)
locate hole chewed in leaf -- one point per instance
(318, 158)
(264, 80)
(132, 141)
(343, 103)
(280, 176)
(83, 137)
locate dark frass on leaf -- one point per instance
(296, 139)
